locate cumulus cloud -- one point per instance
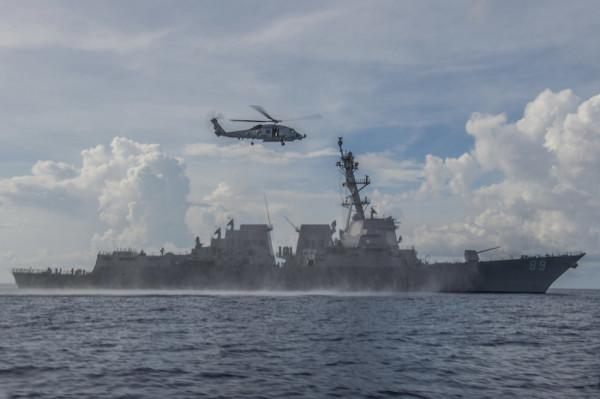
(227, 201)
(136, 192)
(453, 174)
(533, 183)
(213, 211)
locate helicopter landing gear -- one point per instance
(282, 142)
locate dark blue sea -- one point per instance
(325, 345)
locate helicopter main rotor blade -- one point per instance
(305, 117)
(262, 111)
(247, 120)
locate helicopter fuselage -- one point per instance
(267, 132)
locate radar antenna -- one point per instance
(347, 167)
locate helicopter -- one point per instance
(268, 130)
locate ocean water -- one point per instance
(312, 345)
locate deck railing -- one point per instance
(53, 271)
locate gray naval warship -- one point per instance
(366, 256)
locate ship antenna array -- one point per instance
(296, 228)
(270, 226)
(347, 167)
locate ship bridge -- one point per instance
(374, 233)
(360, 231)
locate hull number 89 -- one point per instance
(537, 265)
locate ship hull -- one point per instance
(523, 275)
(25, 279)
(341, 273)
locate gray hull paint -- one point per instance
(524, 275)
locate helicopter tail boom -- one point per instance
(219, 131)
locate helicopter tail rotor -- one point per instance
(214, 114)
(218, 129)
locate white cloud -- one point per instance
(135, 192)
(533, 184)
(452, 174)
(213, 211)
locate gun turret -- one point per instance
(473, 256)
(487, 250)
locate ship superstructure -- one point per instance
(362, 236)
(373, 233)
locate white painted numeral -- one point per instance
(542, 265)
(539, 266)
(532, 265)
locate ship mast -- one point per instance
(347, 167)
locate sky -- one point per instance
(478, 122)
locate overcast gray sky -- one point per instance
(479, 122)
